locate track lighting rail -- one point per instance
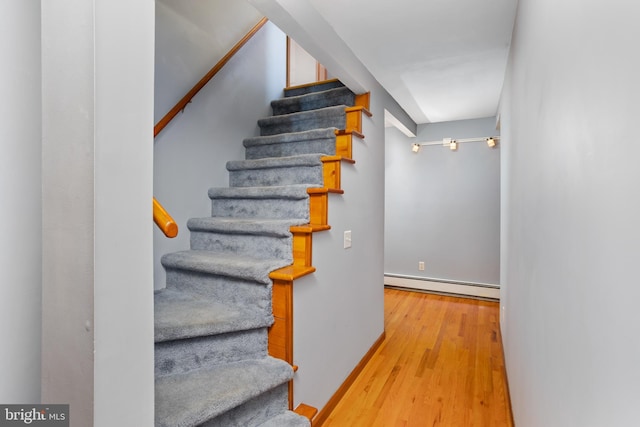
(453, 143)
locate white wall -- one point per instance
(20, 209)
(569, 113)
(97, 115)
(67, 199)
(339, 309)
(191, 36)
(123, 172)
(303, 68)
(443, 207)
(190, 155)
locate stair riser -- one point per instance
(181, 356)
(323, 146)
(311, 175)
(319, 208)
(261, 208)
(353, 120)
(332, 172)
(344, 145)
(302, 248)
(251, 245)
(234, 292)
(286, 124)
(313, 101)
(254, 412)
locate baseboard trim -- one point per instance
(478, 290)
(322, 416)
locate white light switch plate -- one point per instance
(347, 239)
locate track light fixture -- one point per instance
(491, 142)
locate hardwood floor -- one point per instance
(441, 364)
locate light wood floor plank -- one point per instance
(441, 364)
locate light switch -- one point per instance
(347, 239)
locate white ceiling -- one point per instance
(441, 60)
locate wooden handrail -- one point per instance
(187, 98)
(163, 220)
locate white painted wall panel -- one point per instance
(97, 115)
(569, 115)
(20, 202)
(442, 207)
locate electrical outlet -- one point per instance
(347, 239)
(421, 265)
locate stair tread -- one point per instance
(287, 419)
(321, 140)
(181, 314)
(306, 411)
(313, 100)
(292, 272)
(276, 162)
(318, 94)
(334, 116)
(223, 264)
(193, 398)
(296, 192)
(361, 109)
(290, 137)
(312, 87)
(302, 115)
(250, 226)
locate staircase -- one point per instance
(221, 357)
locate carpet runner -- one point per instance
(211, 362)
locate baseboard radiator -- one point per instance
(475, 290)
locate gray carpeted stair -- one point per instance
(289, 144)
(306, 120)
(313, 101)
(182, 314)
(291, 201)
(203, 394)
(212, 367)
(223, 265)
(276, 171)
(309, 89)
(193, 332)
(253, 237)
